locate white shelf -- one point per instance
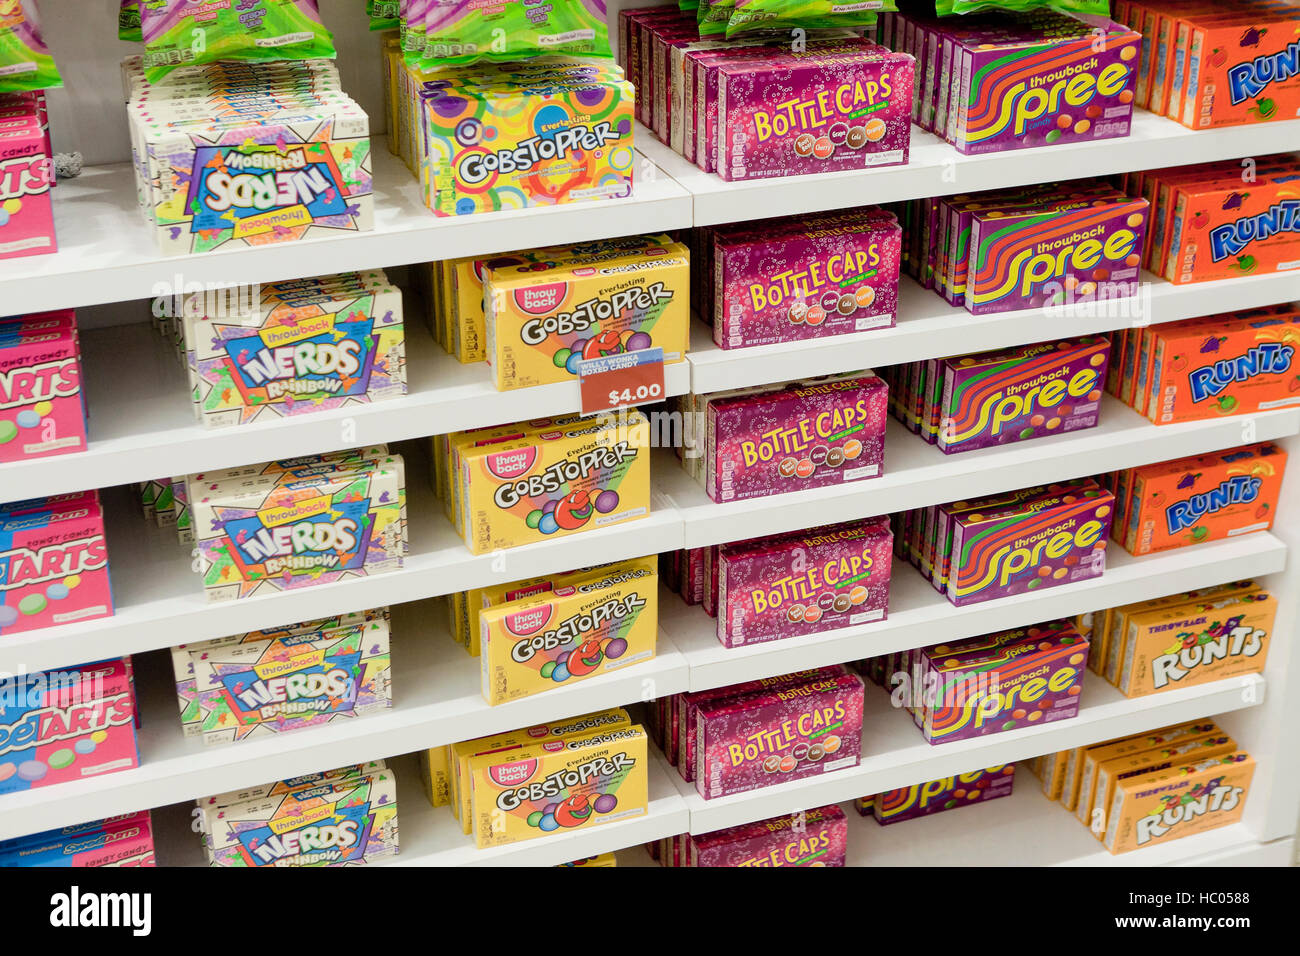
(436, 701)
(918, 474)
(920, 616)
(148, 430)
(936, 169)
(895, 755)
(928, 324)
(107, 251)
(160, 601)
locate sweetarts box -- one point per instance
(42, 409)
(1045, 93)
(806, 281)
(118, 841)
(1025, 259)
(806, 435)
(793, 114)
(1054, 538)
(816, 837)
(63, 725)
(946, 793)
(26, 175)
(804, 583)
(53, 563)
(770, 737)
(1025, 392)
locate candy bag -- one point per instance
(128, 22)
(751, 16)
(177, 33)
(713, 16)
(413, 20)
(458, 31)
(25, 61)
(686, 6)
(946, 8)
(384, 14)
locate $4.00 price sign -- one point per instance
(619, 381)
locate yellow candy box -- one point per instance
(584, 626)
(584, 781)
(557, 482)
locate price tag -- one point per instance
(620, 381)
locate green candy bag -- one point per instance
(1099, 8)
(755, 16)
(384, 14)
(175, 35)
(713, 17)
(687, 6)
(456, 32)
(25, 60)
(128, 22)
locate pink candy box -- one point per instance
(53, 565)
(817, 837)
(771, 737)
(804, 583)
(41, 403)
(798, 114)
(26, 174)
(806, 435)
(806, 283)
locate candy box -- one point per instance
(1204, 498)
(64, 725)
(118, 841)
(816, 837)
(809, 284)
(592, 625)
(337, 775)
(796, 114)
(961, 790)
(1178, 802)
(42, 408)
(26, 175)
(1023, 94)
(435, 774)
(1204, 640)
(1242, 72)
(807, 435)
(804, 583)
(254, 688)
(53, 565)
(590, 474)
(543, 322)
(584, 151)
(1055, 538)
(1023, 260)
(770, 737)
(271, 536)
(339, 823)
(1030, 391)
(580, 781)
(1035, 680)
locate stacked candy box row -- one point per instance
(1200, 498)
(581, 772)
(26, 206)
(1208, 65)
(1152, 788)
(42, 406)
(1007, 544)
(125, 840)
(61, 726)
(535, 316)
(1233, 364)
(1220, 220)
(514, 484)
(770, 439)
(487, 137)
(557, 629)
(796, 278)
(753, 109)
(1182, 640)
(816, 837)
(998, 80)
(993, 398)
(341, 817)
(985, 685)
(238, 155)
(762, 732)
